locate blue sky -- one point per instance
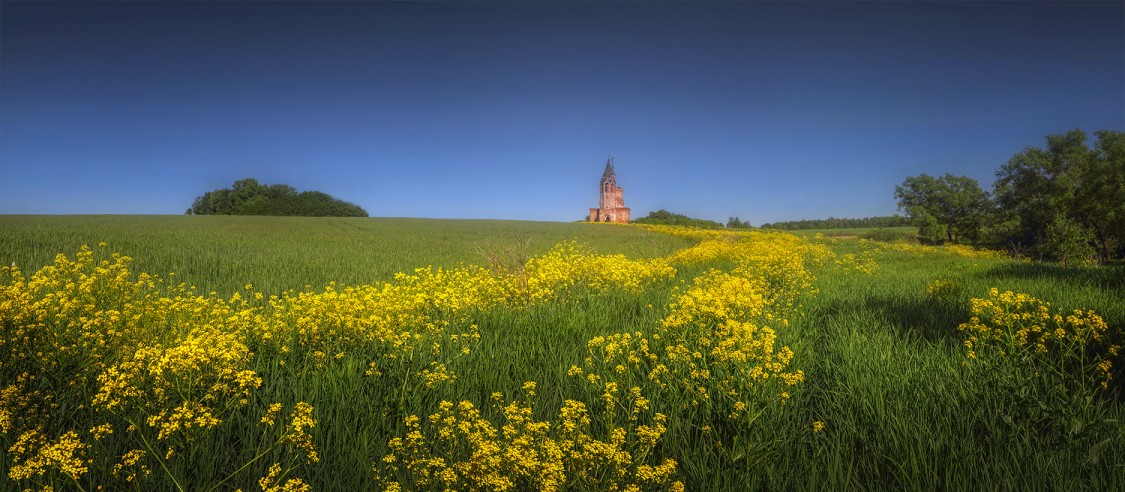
(767, 111)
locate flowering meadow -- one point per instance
(631, 358)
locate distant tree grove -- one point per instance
(736, 223)
(1065, 202)
(835, 223)
(664, 217)
(248, 197)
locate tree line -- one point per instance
(1064, 202)
(734, 222)
(834, 223)
(248, 197)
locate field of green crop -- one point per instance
(224, 253)
(650, 359)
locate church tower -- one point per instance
(611, 203)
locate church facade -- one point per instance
(611, 205)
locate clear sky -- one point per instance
(767, 111)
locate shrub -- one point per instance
(1069, 243)
(929, 230)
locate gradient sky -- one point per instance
(768, 111)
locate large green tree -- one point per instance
(947, 208)
(1100, 197)
(1066, 181)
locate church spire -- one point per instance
(608, 168)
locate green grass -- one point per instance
(883, 363)
(224, 253)
(851, 232)
(886, 375)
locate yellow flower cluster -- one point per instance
(694, 233)
(782, 261)
(174, 364)
(720, 317)
(118, 346)
(166, 365)
(779, 265)
(571, 265)
(949, 249)
(72, 317)
(182, 387)
(716, 354)
(33, 455)
(863, 263)
(271, 414)
(272, 482)
(699, 234)
(297, 435)
(456, 448)
(943, 290)
(431, 310)
(132, 463)
(22, 407)
(750, 247)
(1020, 329)
(716, 297)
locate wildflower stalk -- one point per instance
(156, 455)
(76, 484)
(247, 464)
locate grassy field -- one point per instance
(691, 360)
(853, 232)
(224, 253)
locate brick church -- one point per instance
(611, 206)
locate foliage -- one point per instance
(835, 223)
(735, 223)
(950, 208)
(1070, 179)
(664, 217)
(248, 197)
(1069, 243)
(930, 231)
